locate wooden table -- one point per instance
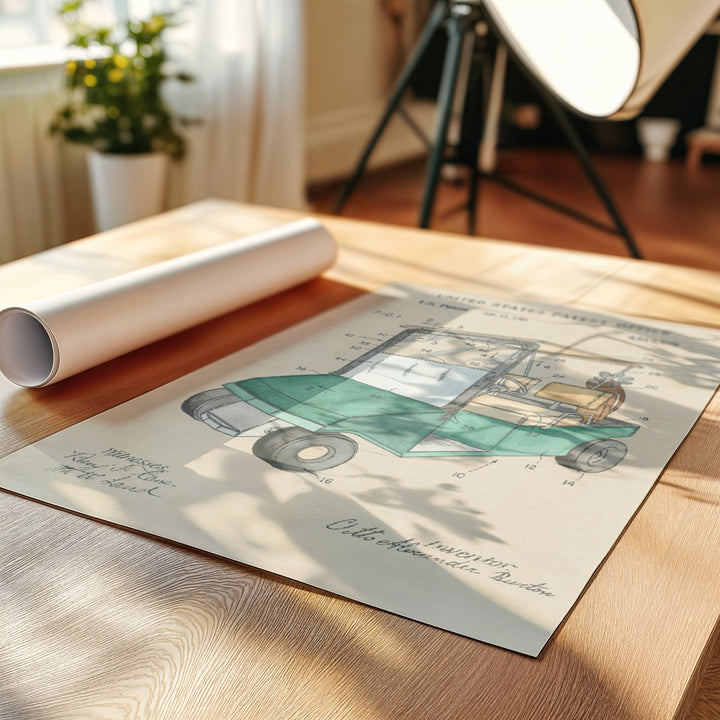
(99, 622)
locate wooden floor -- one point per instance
(672, 212)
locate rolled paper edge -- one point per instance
(29, 353)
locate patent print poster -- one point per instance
(466, 462)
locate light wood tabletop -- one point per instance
(100, 622)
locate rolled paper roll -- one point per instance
(53, 338)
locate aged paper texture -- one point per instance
(466, 462)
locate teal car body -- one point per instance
(424, 392)
(335, 404)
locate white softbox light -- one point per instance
(602, 58)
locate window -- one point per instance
(32, 34)
(26, 23)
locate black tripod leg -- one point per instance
(591, 172)
(434, 21)
(473, 200)
(456, 27)
(476, 127)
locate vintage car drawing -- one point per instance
(424, 392)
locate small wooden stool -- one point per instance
(701, 141)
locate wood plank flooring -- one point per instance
(672, 211)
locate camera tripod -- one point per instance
(460, 18)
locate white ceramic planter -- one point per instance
(657, 136)
(126, 187)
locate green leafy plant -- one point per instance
(114, 85)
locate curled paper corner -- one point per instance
(50, 339)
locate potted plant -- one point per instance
(115, 105)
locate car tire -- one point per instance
(594, 456)
(300, 450)
(204, 402)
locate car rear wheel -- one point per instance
(297, 449)
(594, 456)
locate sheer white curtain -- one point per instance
(248, 58)
(32, 216)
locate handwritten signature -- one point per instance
(117, 469)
